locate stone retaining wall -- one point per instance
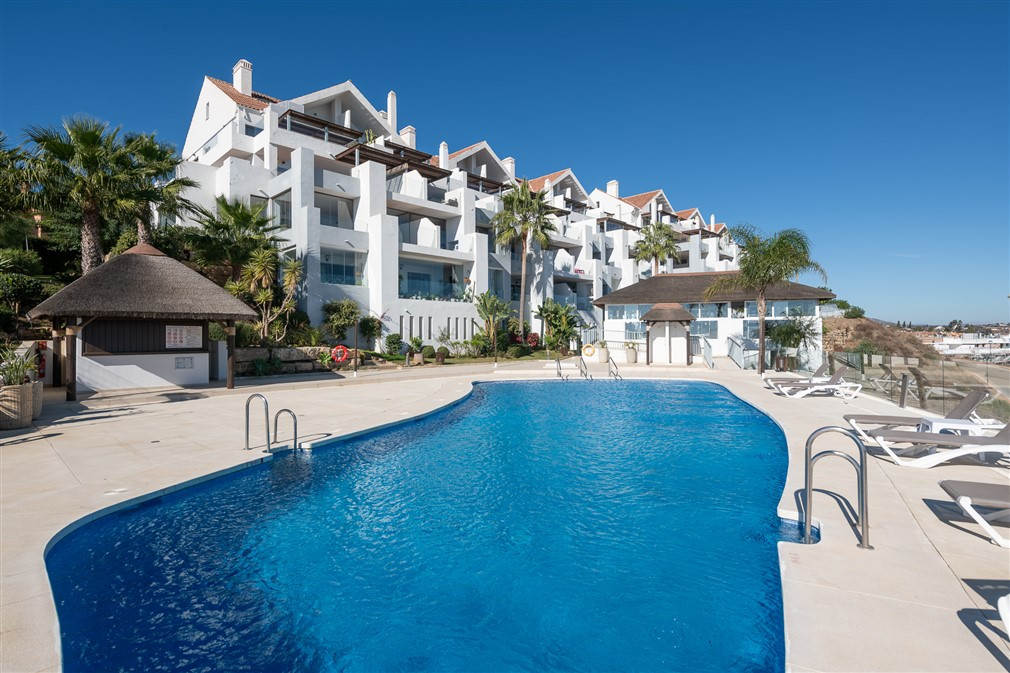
(294, 360)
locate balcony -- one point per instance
(317, 128)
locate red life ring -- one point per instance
(339, 353)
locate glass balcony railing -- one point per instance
(432, 290)
(935, 384)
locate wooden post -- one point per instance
(72, 362)
(57, 357)
(230, 331)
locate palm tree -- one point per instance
(229, 237)
(764, 262)
(15, 224)
(84, 166)
(560, 322)
(658, 241)
(492, 309)
(154, 164)
(523, 217)
(256, 282)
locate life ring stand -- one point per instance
(589, 350)
(339, 353)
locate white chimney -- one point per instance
(654, 210)
(510, 166)
(711, 221)
(391, 109)
(614, 188)
(443, 155)
(547, 186)
(409, 135)
(241, 77)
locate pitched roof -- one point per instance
(684, 214)
(690, 287)
(719, 226)
(256, 101)
(144, 283)
(670, 311)
(536, 184)
(639, 200)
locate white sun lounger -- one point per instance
(833, 386)
(1003, 607)
(971, 494)
(965, 409)
(954, 446)
(816, 377)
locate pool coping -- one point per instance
(785, 547)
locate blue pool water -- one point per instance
(579, 526)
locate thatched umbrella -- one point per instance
(141, 283)
(668, 313)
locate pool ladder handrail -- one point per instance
(266, 418)
(863, 520)
(560, 375)
(294, 423)
(584, 369)
(612, 369)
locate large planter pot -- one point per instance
(418, 358)
(37, 393)
(604, 355)
(631, 355)
(16, 407)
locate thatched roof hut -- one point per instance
(144, 283)
(672, 312)
(144, 307)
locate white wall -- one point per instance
(114, 372)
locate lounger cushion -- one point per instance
(996, 496)
(883, 420)
(942, 438)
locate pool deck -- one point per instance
(923, 600)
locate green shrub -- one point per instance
(305, 335)
(854, 312)
(215, 332)
(20, 292)
(443, 350)
(517, 351)
(15, 260)
(370, 328)
(8, 320)
(246, 335)
(266, 367)
(866, 347)
(394, 343)
(428, 352)
(416, 344)
(340, 315)
(480, 344)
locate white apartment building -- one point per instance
(408, 234)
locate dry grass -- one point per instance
(845, 334)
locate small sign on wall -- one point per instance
(183, 336)
(184, 363)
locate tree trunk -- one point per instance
(655, 266)
(761, 332)
(91, 239)
(522, 294)
(144, 230)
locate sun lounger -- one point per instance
(1003, 607)
(925, 389)
(885, 383)
(971, 494)
(964, 409)
(955, 446)
(833, 386)
(817, 376)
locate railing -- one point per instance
(612, 369)
(863, 520)
(933, 383)
(584, 369)
(560, 374)
(294, 422)
(743, 357)
(433, 290)
(591, 335)
(317, 128)
(707, 352)
(266, 418)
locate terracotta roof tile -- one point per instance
(639, 200)
(434, 160)
(257, 101)
(685, 214)
(536, 184)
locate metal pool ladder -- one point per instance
(266, 418)
(808, 482)
(612, 369)
(294, 423)
(560, 375)
(584, 370)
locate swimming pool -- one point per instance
(604, 526)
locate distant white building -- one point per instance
(408, 234)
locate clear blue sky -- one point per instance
(881, 129)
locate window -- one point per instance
(335, 211)
(707, 328)
(282, 209)
(426, 280)
(259, 202)
(515, 291)
(342, 267)
(615, 311)
(206, 111)
(252, 131)
(713, 310)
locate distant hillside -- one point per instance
(846, 334)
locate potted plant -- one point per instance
(631, 352)
(17, 392)
(790, 334)
(603, 351)
(414, 353)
